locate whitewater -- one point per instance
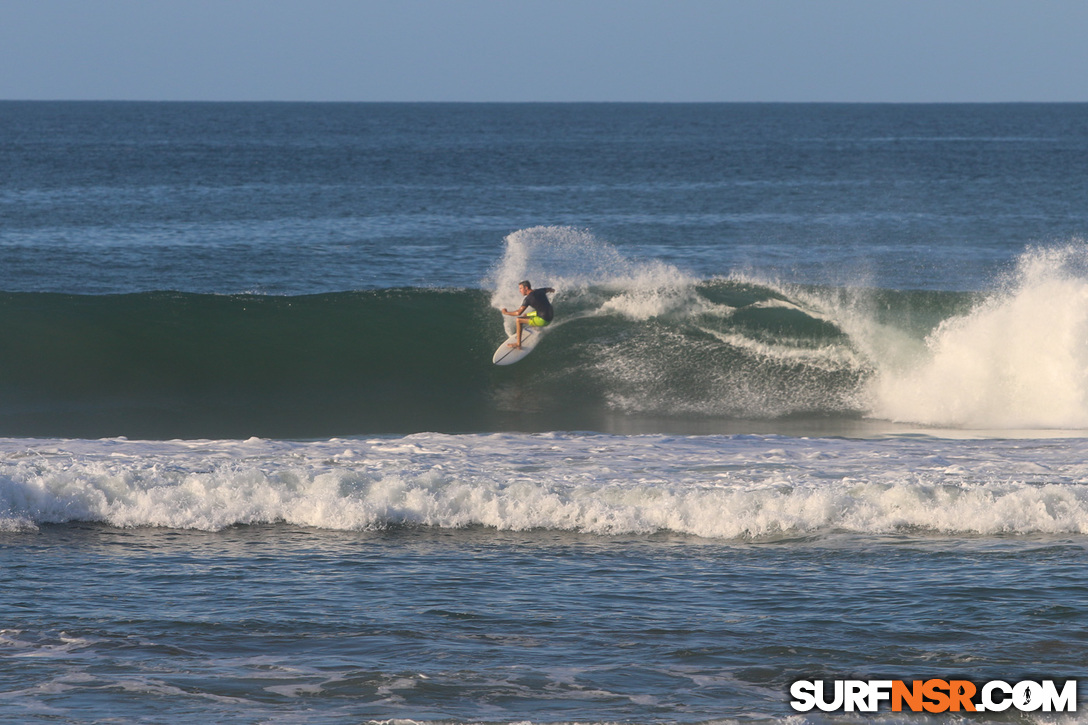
(747, 488)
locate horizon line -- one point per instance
(553, 102)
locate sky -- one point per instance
(545, 50)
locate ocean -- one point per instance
(814, 407)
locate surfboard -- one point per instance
(507, 355)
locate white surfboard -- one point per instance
(507, 355)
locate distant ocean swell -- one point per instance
(747, 487)
(635, 344)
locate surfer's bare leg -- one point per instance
(521, 321)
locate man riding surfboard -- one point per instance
(541, 313)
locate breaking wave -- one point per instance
(638, 346)
(720, 487)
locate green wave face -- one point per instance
(163, 364)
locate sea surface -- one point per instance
(814, 406)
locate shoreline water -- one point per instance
(290, 624)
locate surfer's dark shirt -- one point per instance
(538, 300)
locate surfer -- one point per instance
(541, 313)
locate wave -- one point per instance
(637, 346)
(1018, 358)
(740, 487)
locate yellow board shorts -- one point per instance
(536, 320)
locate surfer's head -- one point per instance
(524, 287)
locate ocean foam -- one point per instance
(1019, 359)
(716, 487)
(1016, 360)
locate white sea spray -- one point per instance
(718, 487)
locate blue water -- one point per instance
(814, 406)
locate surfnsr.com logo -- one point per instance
(934, 696)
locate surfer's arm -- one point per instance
(516, 313)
